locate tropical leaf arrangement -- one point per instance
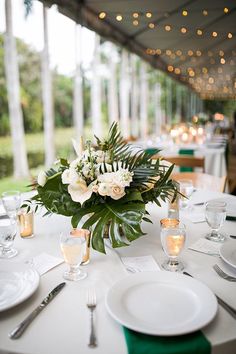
(107, 188)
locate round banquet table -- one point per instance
(63, 327)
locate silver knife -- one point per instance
(221, 302)
(17, 332)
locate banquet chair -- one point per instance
(187, 161)
(202, 180)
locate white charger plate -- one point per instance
(17, 283)
(161, 303)
(228, 253)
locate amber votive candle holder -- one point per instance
(26, 223)
(83, 233)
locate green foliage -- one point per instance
(150, 183)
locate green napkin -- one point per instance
(186, 152)
(231, 218)
(193, 343)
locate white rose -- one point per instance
(104, 189)
(117, 192)
(42, 178)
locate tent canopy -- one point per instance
(193, 41)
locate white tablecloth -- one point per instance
(63, 327)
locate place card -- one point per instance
(206, 246)
(44, 262)
(140, 264)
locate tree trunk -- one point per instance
(96, 91)
(112, 90)
(78, 109)
(20, 163)
(143, 101)
(134, 97)
(48, 112)
(124, 95)
(158, 111)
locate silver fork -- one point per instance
(222, 274)
(91, 304)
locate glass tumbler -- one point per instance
(173, 236)
(8, 231)
(186, 188)
(73, 249)
(215, 214)
(11, 201)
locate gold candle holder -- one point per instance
(85, 233)
(26, 223)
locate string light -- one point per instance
(205, 12)
(151, 25)
(199, 53)
(185, 13)
(230, 35)
(199, 32)
(119, 18)
(167, 28)
(183, 30)
(214, 34)
(211, 80)
(190, 53)
(148, 14)
(158, 51)
(170, 68)
(178, 52)
(177, 71)
(221, 53)
(135, 15)
(226, 10)
(222, 61)
(168, 52)
(102, 15)
(135, 23)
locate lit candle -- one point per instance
(26, 223)
(174, 244)
(86, 234)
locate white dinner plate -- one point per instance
(228, 253)
(161, 303)
(17, 282)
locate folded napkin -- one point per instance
(139, 343)
(186, 152)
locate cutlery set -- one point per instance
(91, 304)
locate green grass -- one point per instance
(35, 143)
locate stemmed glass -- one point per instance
(215, 216)
(186, 188)
(173, 236)
(11, 201)
(73, 249)
(8, 230)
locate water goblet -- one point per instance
(73, 249)
(11, 201)
(8, 231)
(215, 214)
(186, 188)
(173, 236)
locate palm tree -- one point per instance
(47, 97)
(13, 88)
(78, 111)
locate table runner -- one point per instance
(139, 343)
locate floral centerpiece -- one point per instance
(106, 187)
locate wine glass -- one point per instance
(215, 216)
(11, 201)
(186, 188)
(173, 236)
(8, 231)
(73, 249)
